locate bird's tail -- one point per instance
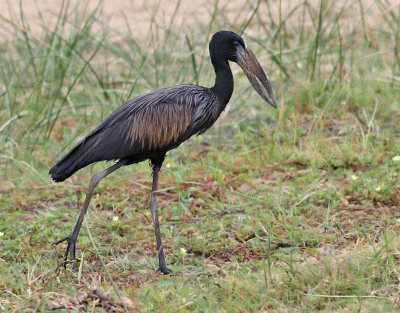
(73, 161)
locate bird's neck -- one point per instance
(223, 86)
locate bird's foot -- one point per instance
(165, 270)
(71, 242)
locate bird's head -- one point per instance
(233, 48)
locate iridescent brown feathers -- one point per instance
(159, 120)
(156, 121)
(159, 126)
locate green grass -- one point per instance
(288, 210)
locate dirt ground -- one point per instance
(42, 14)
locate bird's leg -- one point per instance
(154, 212)
(71, 239)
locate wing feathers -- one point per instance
(159, 126)
(158, 120)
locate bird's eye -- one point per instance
(236, 43)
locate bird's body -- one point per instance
(148, 126)
(144, 127)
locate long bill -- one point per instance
(254, 72)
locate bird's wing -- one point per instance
(154, 121)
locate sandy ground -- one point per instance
(42, 14)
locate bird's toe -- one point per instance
(70, 250)
(165, 270)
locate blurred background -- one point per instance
(68, 61)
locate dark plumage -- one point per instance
(148, 126)
(156, 121)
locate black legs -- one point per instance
(154, 213)
(71, 239)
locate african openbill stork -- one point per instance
(148, 126)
